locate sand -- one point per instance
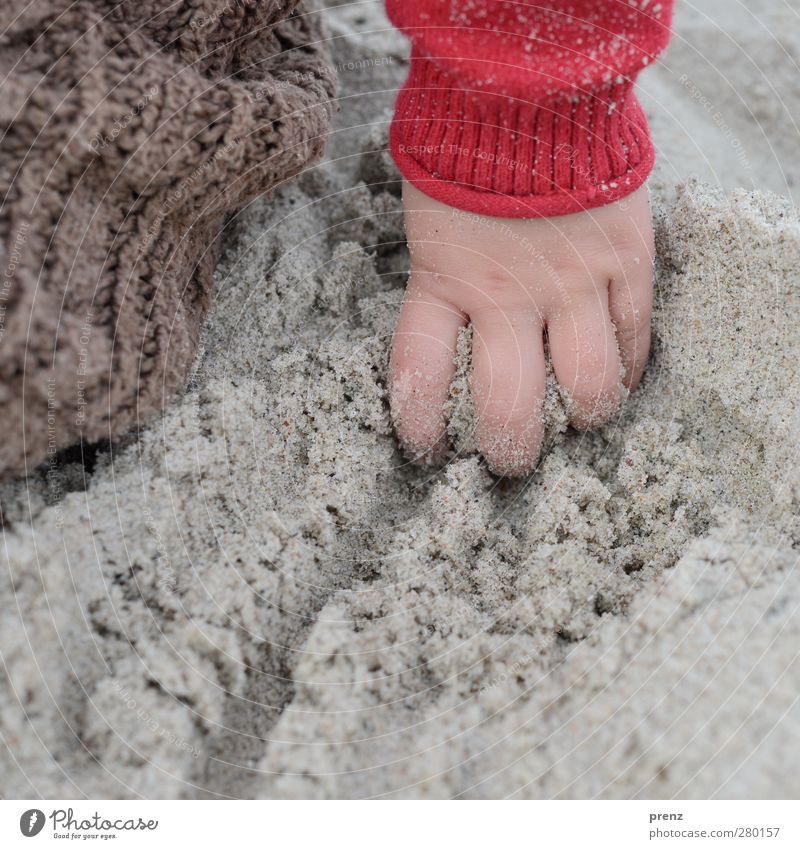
(255, 596)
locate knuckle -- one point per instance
(493, 293)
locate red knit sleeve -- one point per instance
(526, 109)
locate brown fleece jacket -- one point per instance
(127, 129)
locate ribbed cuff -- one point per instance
(506, 157)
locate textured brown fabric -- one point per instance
(126, 131)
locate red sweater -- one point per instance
(526, 108)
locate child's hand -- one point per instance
(585, 279)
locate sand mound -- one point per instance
(258, 597)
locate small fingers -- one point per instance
(508, 385)
(421, 370)
(586, 362)
(630, 302)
